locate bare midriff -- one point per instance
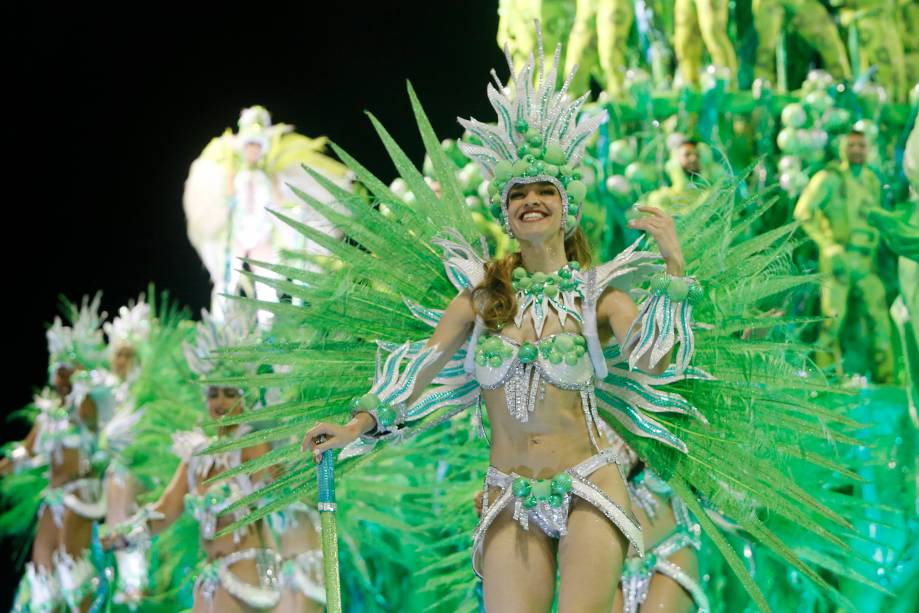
(71, 467)
(555, 435)
(553, 438)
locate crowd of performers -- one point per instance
(655, 352)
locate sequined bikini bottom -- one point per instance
(546, 502)
(85, 497)
(217, 573)
(638, 573)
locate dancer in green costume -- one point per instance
(243, 568)
(538, 363)
(65, 433)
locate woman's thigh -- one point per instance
(46, 539)
(518, 567)
(591, 555)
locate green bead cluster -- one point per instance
(550, 491)
(677, 288)
(533, 160)
(370, 402)
(567, 348)
(492, 351)
(540, 284)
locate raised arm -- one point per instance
(449, 335)
(171, 503)
(639, 331)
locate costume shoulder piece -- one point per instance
(464, 266)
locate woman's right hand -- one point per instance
(324, 436)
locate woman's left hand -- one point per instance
(660, 226)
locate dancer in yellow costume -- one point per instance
(600, 36)
(879, 43)
(833, 211)
(698, 22)
(233, 186)
(808, 19)
(909, 35)
(515, 27)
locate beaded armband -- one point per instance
(393, 386)
(387, 418)
(664, 319)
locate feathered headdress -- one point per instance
(81, 343)
(538, 137)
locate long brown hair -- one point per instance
(494, 299)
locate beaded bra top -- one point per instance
(524, 368)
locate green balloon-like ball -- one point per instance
(787, 140)
(564, 343)
(520, 167)
(621, 152)
(678, 289)
(836, 120)
(868, 128)
(640, 173)
(577, 190)
(368, 401)
(504, 170)
(794, 115)
(554, 155)
(818, 100)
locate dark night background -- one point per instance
(108, 108)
